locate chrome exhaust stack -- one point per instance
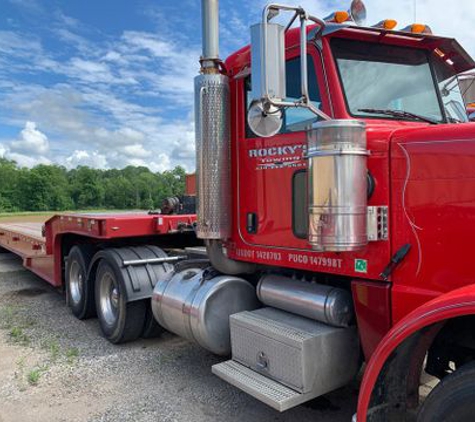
(212, 125)
(213, 148)
(210, 42)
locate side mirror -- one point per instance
(471, 116)
(268, 61)
(268, 78)
(268, 70)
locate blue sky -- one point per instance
(110, 83)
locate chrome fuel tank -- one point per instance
(196, 304)
(327, 304)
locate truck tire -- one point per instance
(79, 289)
(453, 399)
(151, 327)
(120, 321)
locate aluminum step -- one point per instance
(268, 391)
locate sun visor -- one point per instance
(447, 48)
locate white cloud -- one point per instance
(29, 149)
(160, 163)
(31, 141)
(175, 65)
(18, 44)
(136, 151)
(24, 160)
(83, 158)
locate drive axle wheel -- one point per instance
(453, 399)
(79, 291)
(120, 321)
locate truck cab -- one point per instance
(403, 86)
(417, 185)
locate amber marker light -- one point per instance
(386, 24)
(338, 17)
(418, 28)
(341, 17)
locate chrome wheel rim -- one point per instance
(76, 282)
(109, 298)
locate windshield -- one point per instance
(386, 77)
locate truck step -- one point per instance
(268, 391)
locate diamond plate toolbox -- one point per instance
(305, 355)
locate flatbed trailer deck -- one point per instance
(43, 247)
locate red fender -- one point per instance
(454, 304)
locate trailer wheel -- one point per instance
(79, 291)
(120, 321)
(453, 399)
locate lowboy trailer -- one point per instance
(334, 223)
(66, 252)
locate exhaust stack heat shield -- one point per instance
(213, 156)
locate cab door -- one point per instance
(271, 172)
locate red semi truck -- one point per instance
(335, 214)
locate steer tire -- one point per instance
(79, 289)
(453, 399)
(120, 321)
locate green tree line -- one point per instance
(54, 188)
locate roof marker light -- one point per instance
(338, 17)
(386, 24)
(418, 28)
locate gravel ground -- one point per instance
(56, 368)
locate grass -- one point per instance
(35, 374)
(26, 213)
(54, 350)
(72, 354)
(15, 321)
(42, 216)
(7, 316)
(13, 317)
(17, 335)
(12, 320)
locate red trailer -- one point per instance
(66, 250)
(335, 198)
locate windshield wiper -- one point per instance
(398, 113)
